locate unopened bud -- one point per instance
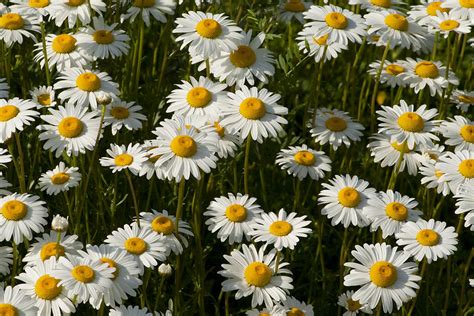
(103, 98)
(165, 270)
(59, 224)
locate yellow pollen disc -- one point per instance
(382, 3)
(427, 69)
(258, 274)
(321, 40)
(397, 22)
(64, 44)
(11, 21)
(51, 249)
(46, 287)
(76, 3)
(294, 6)
(394, 69)
(236, 213)
(295, 311)
(119, 112)
(264, 314)
(84, 274)
(469, 4)
(219, 129)
(448, 25)
(466, 99)
(383, 274)
(305, 158)
(183, 146)
(123, 160)
(8, 310)
(411, 122)
(252, 108)
(396, 211)
(14, 210)
(403, 147)
(427, 237)
(60, 178)
(209, 28)
(103, 37)
(280, 228)
(466, 168)
(438, 173)
(336, 124)
(375, 38)
(467, 133)
(353, 305)
(112, 264)
(88, 82)
(70, 127)
(44, 99)
(7, 112)
(162, 224)
(38, 3)
(349, 197)
(198, 97)
(433, 8)
(336, 20)
(135, 245)
(243, 57)
(143, 3)
(381, 97)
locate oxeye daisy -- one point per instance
(20, 216)
(445, 23)
(14, 302)
(6, 259)
(60, 179)
(393, 73)
(345, 200)
(340, 25)
(378, 5)
(293, 9)
(4, 88)
(5, 157)
(47, 247)
(75, 10)
(427, 239)
(384, 275)
(405, 125)
(336, 128)
(4, 184)
(253, 113)
(207, 34)
(120, 114)
(43, 96)
(390, 210)
(469, 220)
(82, 87)
(122, 157)
(465, 204)
(129, 311)
(302, 161)
(14, 26)
(71, 128)
(252, 272)
(457, 168)
(318, 46)
(464, 8)
(432, 178)
(291, 306)
(165, 224)
(15, 114)
(156, 8)
(463, 99)
(227, 141)
(431, 153)
(231, 217)
(38, 8)
(424, 12)
(458, 132)
(276, 310)
(39, 284)
(150, 167)
(353, 307)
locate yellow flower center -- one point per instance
(433, 8)
(321, 40)
(427, 237)
(258, 274)
(448, 25)
(135, 245)
(382, 3)
(163, 225)
(103, 37)
(198, 97)
(119, 112)
(236, 213)
(14, 210)
(394, 69)
(438, 173)
(426, 69)
(353, 305)
(60, 178)
(411, 122)
(280, 228)
(84, 274)
(51, 249)
(209, 28)
(466, 168)
(305, 158)
(46, 287)
(243, 57)
(38, 4)
(336, 20)
(295, 311)
(112, 264)
(381, 97)
(403, 147)
(88, 82)
(294, 6)
(7, 112)
(336, 124)
(466, 99)
(70, 127)
(44, 99)
(8, 310)
(11, 21)
(349, 197)
(76, 3)
(123, 160)
(64, 44)
(467, 3)
(467, 133)
(383, 274)
(183, 146)
(252, 108)
(396, 211)
(143, 3)
(264, 314)
(219, 129)
(397, 22)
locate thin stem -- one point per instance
(21, 173)
(45, 54)
(140, 54)
(246, 164)
(134, 197)
(177, 289)
(277, 261)
(396, 171)
(297, 194)
(376, 86)
(318, 83)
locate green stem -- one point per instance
(246, 164)
(177, 289)
(134, 197)
(376, 87)
(139, 55)
(45, 54)
(21, 173)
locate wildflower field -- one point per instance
(236, 157)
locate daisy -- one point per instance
(227, 141)
(302, 161)
(345, 200)
(123, 157)
(14, 302)
(6, 259)
(383, 274)
(432, 178)
(430, 154)
(393, 74)
(43, 96)
(164, 224)
(427, 239)
(4, 184)
(143, 244)
(424, 13)
(318, 46)
(403, 124)
(245, 63)
(5, 157)
(71, 128)
(463, 99)
(336, 128)
(129, 311)
(445, 23)
(15, 114)
(47, 247)
(38, 8)
(20, 216)
(60, 179)
(15, 25)
(121, 114)
(352, 307)
(75, 10)
(464, 8)
(4, 88)
(378, 5)
(422, 73)
(292, 306)
(341, 25)
(390, 210)
(252, 272)
(40, 285)
(458, 132)
(150, 166)
(293, 9)
(276, 310)
(253, 113)
(231, 217)
(82, 87)
(156, 8)
(457, 168)
(465, 204)
(469, 220)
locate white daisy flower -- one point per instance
(4, 184)
(5, 157)
(384, 276)
(427, 239)
(431, 153)
(150, 166)
(445, 23)
(121, 114)
(292, 306)
(252, 272)
(293, 9)
(253, 113)
(146, 8)
(129, 311)
(457, 168)
(227, 141)
(4, 88)
(378, 5)
(432, 178)
(71, 128)
(15, 302)
(14, 26)
(38, 8)
(458, 132)
(465, 204)
(464, 8)
(424, 12)
(345, 200)
(393, 74)
(60, 179)
(15, 114)
(463, 99)
(231, 217)
(302, 161)
(318, 46)
(122, 157)
(469, 220)
(6, 259)
(43, 96)
(353, 307)
(75, 10)
(276, 310)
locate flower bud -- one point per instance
(103, 98)
(165, 270)
(59, 224)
